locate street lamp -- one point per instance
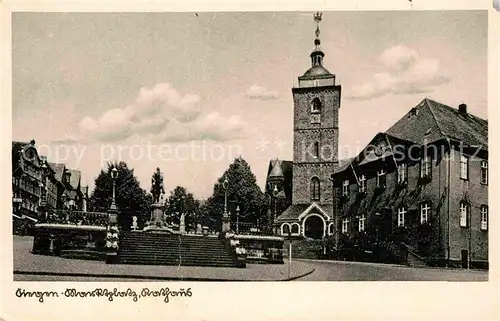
(225, 185)
(237, 219)
(275, 194)
(114, 175)
(64, 196)
(225, 217)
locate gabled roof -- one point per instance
(431, 121)
(74, 179)
(58, 170)
(428, 122)
(294, 211)
(343, 163)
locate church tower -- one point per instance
(315, 133)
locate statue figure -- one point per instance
(182, 225)
(134, 223)
(157, 185)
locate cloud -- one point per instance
(161, 113)
(405, 72)
(260, 93)
(68, 140)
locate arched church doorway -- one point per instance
(314, 227)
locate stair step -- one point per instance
(166, 249)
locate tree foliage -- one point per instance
(131, 199)
(242, 192)
(181, 201)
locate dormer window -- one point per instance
(316, 105)
(413, 112)
(381, 178)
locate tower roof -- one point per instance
(317, 71)
(276, 171)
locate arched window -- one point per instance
(315, 189)
(330, 229)
(316, 105)
(285, 229)
(316, 149)
(295, 229)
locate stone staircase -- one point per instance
(172, 249)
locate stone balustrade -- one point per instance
(75, 218)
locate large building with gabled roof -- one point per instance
(421, 186)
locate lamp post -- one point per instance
(237, 219)
(112, 237)
(114, 175)
(225, 217)
(275, 194)
(64, 197)
(225, 185)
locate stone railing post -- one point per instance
(112, 237)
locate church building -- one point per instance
(315, 148)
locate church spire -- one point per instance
(317, 55)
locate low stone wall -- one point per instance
(58, 240)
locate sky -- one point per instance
(190, 92)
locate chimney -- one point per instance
(462, 109)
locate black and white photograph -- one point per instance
(250, 146)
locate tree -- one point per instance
(242, 192)
(180, 201)
(131, 199)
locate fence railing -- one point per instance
(75, 218)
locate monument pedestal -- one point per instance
(226, 223)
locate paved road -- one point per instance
(357, 271)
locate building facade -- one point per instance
(39, 187)
(422, 184)
(26, 180)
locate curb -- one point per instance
(154, 278)
(300, 276)
(393, 265)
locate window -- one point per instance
(295, 229)
(401, 216)
(345, 225)
(464, 167)
(285, 229)
(484, 217)
(381, 178)
(361, 223)
(464, 214)
(345, 188)
(425, 210)
(362, 184)
(330, 229)
(316, 149)
(316, 105)
(402, 173)
(484, 172)
(315, 189)
(426, 167)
